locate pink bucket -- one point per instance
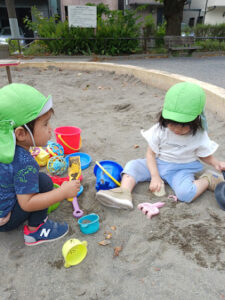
(69, 137)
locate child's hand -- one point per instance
(155, 184)
(220, 166)
(71, 188)
(4, 220)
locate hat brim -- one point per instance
(177, 117)
(46, 107)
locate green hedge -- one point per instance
(74, 41)
(212, 45)
(207, 30)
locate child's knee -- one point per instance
(132, 164)
(185, 194)
(131, 168)
(137, 169)
(45, 183)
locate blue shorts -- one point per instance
(180, 177)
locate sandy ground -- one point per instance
(178, 254)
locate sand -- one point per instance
(178, 254)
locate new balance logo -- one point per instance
(45, 232)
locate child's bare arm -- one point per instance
(151, 162)
(156, 180)
(211, 160)
(34, 202)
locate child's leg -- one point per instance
(40, 229)
(186, 187)
(37, 217)
(201, 185)
(19, 216)
(128, 182)
(135, 171)
(207, 181)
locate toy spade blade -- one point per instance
(220, 193)
(74, 170)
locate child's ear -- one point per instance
(20, 134)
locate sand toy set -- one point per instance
(64, 162)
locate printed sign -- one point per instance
(82, 16)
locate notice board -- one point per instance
(82, 16)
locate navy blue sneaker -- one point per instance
(46, 232)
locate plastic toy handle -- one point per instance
(67, 265)
(223, 172)
(71, 148)
(77, 211)
(158, 204)
(84, 225)
(84, 243)
(107, 173)
(50, 151)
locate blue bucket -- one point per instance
(89, 224)
(103, 181)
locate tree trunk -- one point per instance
(173, 12)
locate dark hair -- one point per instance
(31, 124)
(194, 125)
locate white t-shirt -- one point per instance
(172, 147)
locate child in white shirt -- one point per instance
(176, 144)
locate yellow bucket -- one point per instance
(74, 251)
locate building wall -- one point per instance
(143, 14)
(196, 9)
(216, 16)
(216, 3)
(154, 8)
(113, 4)
(213, 15)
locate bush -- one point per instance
(205, 30)
(74, 41)
(212, 45)
(121, 28)
(160, 33)
(36, 48)
(149, 28)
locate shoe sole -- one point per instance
(112, 202)
(46, 241)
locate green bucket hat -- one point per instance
(184, 102)
(19, 104)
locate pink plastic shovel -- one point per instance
(150, 209)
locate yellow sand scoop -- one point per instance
(74, 172)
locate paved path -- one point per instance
(208, 69)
